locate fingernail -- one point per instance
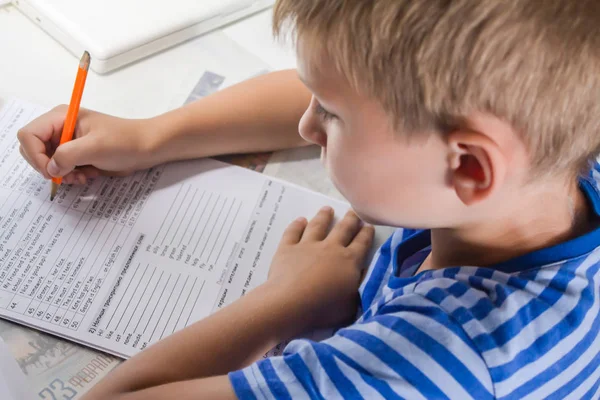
(52, 168)
(327, 208)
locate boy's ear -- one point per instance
(476, 164)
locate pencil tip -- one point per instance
(53, 191)
(86, 59)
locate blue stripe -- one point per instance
(277, 387)
(398, 283)
(240, 385)
(590, 393)
(547, 341)
(461, 314)
(302, 373)
(578, 380)
(409, 247)
(458, 289)
(450, 272)
(408, 233)
(436, 295)
(482, 308)
(379, 385)
(378, 273)
(435, 313)
(341, 381)
(520, 282)
(395, 361)
(502, 293)
(551, 338)
(484, 273)
(439, 354)
(528, 313)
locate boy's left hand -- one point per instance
(316, 272)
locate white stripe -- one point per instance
(324, 385)
(544, 322)
(596, 174)
(421, 360)
(597, 394)
(287, 377)
(586, 385)
(513, 303)
(467, 300)
(368, 276)
(382, 287)
(435, 283)
(453, 344)
(370, 362)
(257, 382)
(565, 376)
(366, 391)
(563, 347)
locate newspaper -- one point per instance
(55, 368)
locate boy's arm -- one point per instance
(260, 114)
(230, 339)
(312, 284)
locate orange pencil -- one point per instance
(73, 111)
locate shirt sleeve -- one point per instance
(411, 349)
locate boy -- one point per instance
(475, 121)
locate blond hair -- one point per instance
(433, 63)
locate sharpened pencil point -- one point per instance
(84, 62)
(53, 191)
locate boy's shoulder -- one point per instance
(458, 333)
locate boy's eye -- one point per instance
(323, 113)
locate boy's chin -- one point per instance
(367, 218)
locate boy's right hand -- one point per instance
(101, 145)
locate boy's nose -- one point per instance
(311, 130)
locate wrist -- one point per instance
(158, 133)
(180, 134)
(287, 317)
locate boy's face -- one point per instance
(386, 179)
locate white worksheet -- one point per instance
(121, 263)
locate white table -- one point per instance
(37, 68)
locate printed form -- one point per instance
(121, 263)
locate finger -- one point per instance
(318, 226)
(34, 151)
(81, 151)
(81, 179)
(345, 230)
(89, 171)
(293, 233)
(70, 178)
(24, 155)
(363, 240)
(47, 127)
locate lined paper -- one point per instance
(121, 263)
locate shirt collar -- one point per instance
(563, 251)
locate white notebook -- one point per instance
(121, 263)
(118, 32)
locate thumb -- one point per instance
(70, 155)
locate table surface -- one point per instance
(36, 68)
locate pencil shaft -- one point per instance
(73, 110)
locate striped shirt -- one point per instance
(524, 329)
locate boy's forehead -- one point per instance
(316, 70)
